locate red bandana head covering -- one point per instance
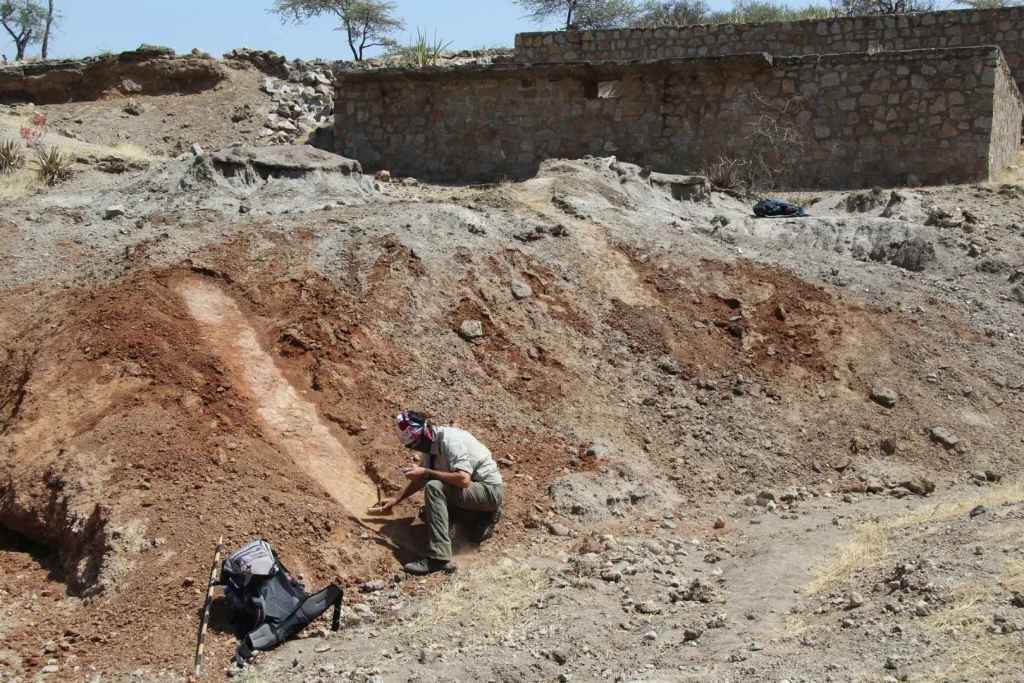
(412, 427)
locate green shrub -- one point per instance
(764, 11)
(52, 165)
(12, 156)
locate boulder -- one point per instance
(681, 187)
(282, 161)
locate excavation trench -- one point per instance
(289, 420)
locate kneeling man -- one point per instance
(456, 472)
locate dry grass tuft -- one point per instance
(962, 607)
(16, 185)
(484, 603)
(990, 497)
(869, 546)
(963, 621)
(976, 654)
(1013, 576)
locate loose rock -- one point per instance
(691, 634)
(471, 329)
(521, 290)
(943, 436)
(556, 529)
(134, 108)
(884, 396)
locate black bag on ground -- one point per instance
(270, 606)
(776, 208)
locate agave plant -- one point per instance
(424, 51)
(12, 156)
(52, 165)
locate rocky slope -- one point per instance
(214, 344)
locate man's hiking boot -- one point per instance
(428, 566)
(485, 525)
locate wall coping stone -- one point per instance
(757, 60)
(883, 21)
(614, 69)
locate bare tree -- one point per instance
(44, 51)
(582, 14)
(366, 23)
(24, 21)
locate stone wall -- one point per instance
(1006, 120)
(930, 116)
(1002, 27)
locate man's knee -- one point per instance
(434, 488)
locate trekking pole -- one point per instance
(204, 622)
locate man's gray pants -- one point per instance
(439, 496)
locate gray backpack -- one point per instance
(269, 605)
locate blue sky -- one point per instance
(217, 26)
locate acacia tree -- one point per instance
(24, 21)
(51, 17)
(988, 4)
(366, 23)
(854, 8)
(582, 14)
(655, 13)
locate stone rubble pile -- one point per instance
(302, 93)
(303, 103)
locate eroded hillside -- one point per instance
(193, 349)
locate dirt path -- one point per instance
(779, 589)
(290, 420)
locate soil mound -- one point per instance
(148, 70)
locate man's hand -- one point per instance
(416, 473)
(384, 507)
